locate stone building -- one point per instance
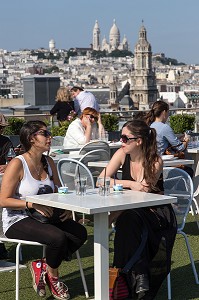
(114, 39)
(143, 88)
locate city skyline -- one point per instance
(172, 26)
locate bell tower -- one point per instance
(143, 80)
(96, 36)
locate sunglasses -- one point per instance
(45, 133)
(92, 117)
(124, 139)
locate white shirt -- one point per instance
(28, 186)
(75, 135)
(85, 99)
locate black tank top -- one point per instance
(126, 175)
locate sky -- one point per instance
(172, 25)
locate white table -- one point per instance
(194, 154)
(98, 205)
(70, 155)
(116, 145)
(166, 163)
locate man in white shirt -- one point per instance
(83, 99)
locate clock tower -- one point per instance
(143, 80)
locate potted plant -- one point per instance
(13, 129)
(182, 123)
(63, 126)
(111, 124)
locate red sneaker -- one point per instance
(38, 270)
(58, 289)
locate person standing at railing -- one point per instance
(83, 99)
(64, 106)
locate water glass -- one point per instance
(80, 185)
(104, 186)
(104, 136)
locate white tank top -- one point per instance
(28, 186)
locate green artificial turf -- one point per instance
(182, 279)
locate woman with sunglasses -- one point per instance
(29, 174)
(85, 128)
(142, 171)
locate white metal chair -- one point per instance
(95, 145)
(57, 140)
(178, 183)
(68, 169)
(95, 155)
(18, 256)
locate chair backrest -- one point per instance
(94, 145)
(57, 141)
(69, 168)
(95, 155)
(178, 183)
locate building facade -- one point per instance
(40, 90)
(143, 90)
(114, 39)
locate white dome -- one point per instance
(114, 29)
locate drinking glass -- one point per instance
(104, 136)
(104, 186)
(11, 154)
(80, 185)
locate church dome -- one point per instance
(114, 29)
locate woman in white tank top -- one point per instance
(29, 174)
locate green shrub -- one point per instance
(14, 126)
(182, 123)
(110, 122)
(60, 130)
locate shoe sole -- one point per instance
(34, 283)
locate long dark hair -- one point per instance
(139, 128)
(26, 132)
(157, 108)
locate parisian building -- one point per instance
(143, 88)
(114, 39)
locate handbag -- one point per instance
(34, 214)
(180, 154)
(118, 284)
(171, 150)
(118, 287)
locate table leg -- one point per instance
(101, 256)
(195, 157)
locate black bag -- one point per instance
(34, 214)
(118, 278)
